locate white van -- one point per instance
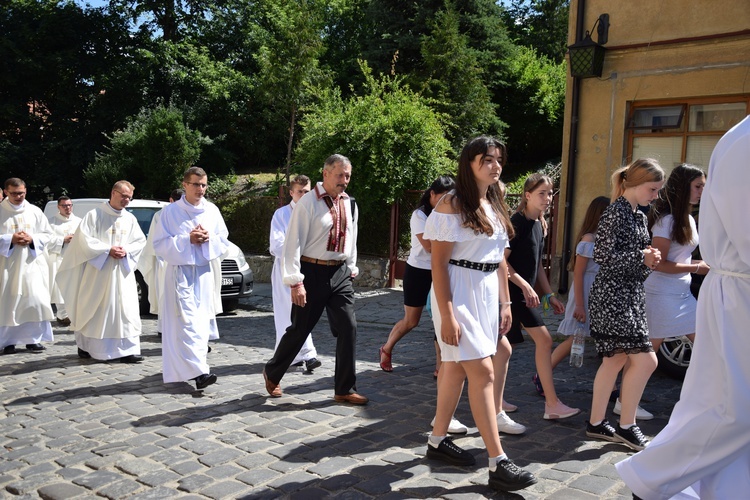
(236, 275)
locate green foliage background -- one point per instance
(393, 139)
(141, 89)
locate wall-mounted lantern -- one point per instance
(587, 56)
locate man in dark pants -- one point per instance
(318, 264)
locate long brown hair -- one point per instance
(590, 223)
(467, 193)
(675, 199)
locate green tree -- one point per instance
(533, 99)
(66, 76)
(152, 152)
(288, 62)
(454, 79)
(394, 140)
(539, 24)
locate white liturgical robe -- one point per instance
(62, 227)
(25, 310)
(191, 293)
(152, 269)
(100, 292)
(704, 451)
(282, 294)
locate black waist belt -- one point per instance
(477, 266)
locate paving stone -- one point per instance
(224, 489)
(30, 484)
(120, 489)
(294, 481)
(97, 479)
(334, 465)
(110, 430)
(61, 491)
(158, 494)
(258, 476)
(224, 471)
(220, 457)
(186, 468)
(194, 482)
(75, 459)
(158, 477)
(39, 468)
(71, 472)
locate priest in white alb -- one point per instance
(64, 223)
(152, 268)
(704, 451)
(25, 310)
(97, 280)
(191, 238)
(282, 296)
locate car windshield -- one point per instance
(144, 216)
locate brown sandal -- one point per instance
(385, 360)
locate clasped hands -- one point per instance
(21, 238)
(651, 257)
(198, 235)
(117, 253)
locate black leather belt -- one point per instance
(477, 266)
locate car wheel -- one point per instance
(674, 356)
(230, 305)
(142, 293)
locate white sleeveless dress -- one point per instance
(475, 293)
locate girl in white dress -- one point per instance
(469, 232)
(670, 307)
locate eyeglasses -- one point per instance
(16, 193)
(66, 206)
(123, 196)
(197, 185)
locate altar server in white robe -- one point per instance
(282, 296)
(704, 451)
(25, 310)
(97, 280)
(64, 224)
(191, 238)
(152, 267)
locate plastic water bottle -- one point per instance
(576, 350)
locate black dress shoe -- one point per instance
(209, 348)
(35, 347)
(9, 349)
(131, 359)
(83, 354)
(203, 381)
(312, 364)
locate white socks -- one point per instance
(494, 460)
(435, 441)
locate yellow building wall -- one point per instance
(685, 67)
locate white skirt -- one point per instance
(476, 308)
(670, 314)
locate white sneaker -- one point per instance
(508, 425)
(455, 427)
(640, 413)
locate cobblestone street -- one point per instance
(75, 428)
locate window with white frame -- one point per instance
(675, 132)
